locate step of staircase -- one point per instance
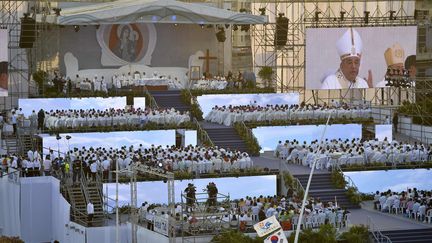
(412, 235)
(226, 137)
(170, 99)
(321, 187)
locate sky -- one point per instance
(395, 180)
(207, 102)
(268, 137)
(111, 139)
(157, 192)
(28, 105)
(383, 131)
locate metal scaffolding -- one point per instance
(289, 61)
(134, 171)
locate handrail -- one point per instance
(203, 135)
(348, 180)
(376, 233)
(249, 133)
(152, 102)
(297, 186)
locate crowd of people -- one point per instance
(412, 203)
(217, 83)
(352, 152)
(100, 161)
(116, 82)
(242, 214)
(228, 115)
(111, 117)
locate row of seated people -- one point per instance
(244, 213)
(117, 81)
(228, 115)
(93, 161)
(215, 83)
(57, 119)
(351, 152)
(413, 203)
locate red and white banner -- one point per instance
(4, 40)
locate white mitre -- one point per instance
(350, 44)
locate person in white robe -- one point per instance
(349, 48)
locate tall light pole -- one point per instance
(309, 182)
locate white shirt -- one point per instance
(90, 208)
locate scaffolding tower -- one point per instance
(289, 61)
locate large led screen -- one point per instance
(363, 57)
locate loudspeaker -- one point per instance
(281, 33)
(28, 32)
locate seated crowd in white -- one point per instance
(351, 152)
(228, 115)
(413, 203)
(217, 82)
(119, 81)
(112, 117)
(244, 213)
(30, 165)
(190, 158)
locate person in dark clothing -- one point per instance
(395, 121)
(41, 119)
(261, 215)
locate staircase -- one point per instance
(225, 137)
(11, 142)
(170, 99)
(322, 188)
(77, 199)
(411, 235)
(78, 204)
(26, 143)
(94, 195)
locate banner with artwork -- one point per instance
(161, 225)
(126, 44)
(267, 226)
(4, 61)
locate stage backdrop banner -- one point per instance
(4, 61)
(379, 48)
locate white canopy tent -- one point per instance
(149, 11)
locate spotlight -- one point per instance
(76, 28)
(220, 35)
(68, 137)
(392, 17)
(57, 11)
(160, 164)
(342, 15)
(202, 26)
(317, 13)
(97, 26)
(366, 17)
(262, 10)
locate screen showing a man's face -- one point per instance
(350, 67)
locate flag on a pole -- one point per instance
(276, 237)
(267, 226)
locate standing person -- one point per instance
(90, 212)
(395, 121)
(14, 119)
(47, 166)
(41, 119)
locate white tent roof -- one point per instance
(150, 11)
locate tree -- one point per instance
(235, 236)
(266, 74)
(325, 234)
